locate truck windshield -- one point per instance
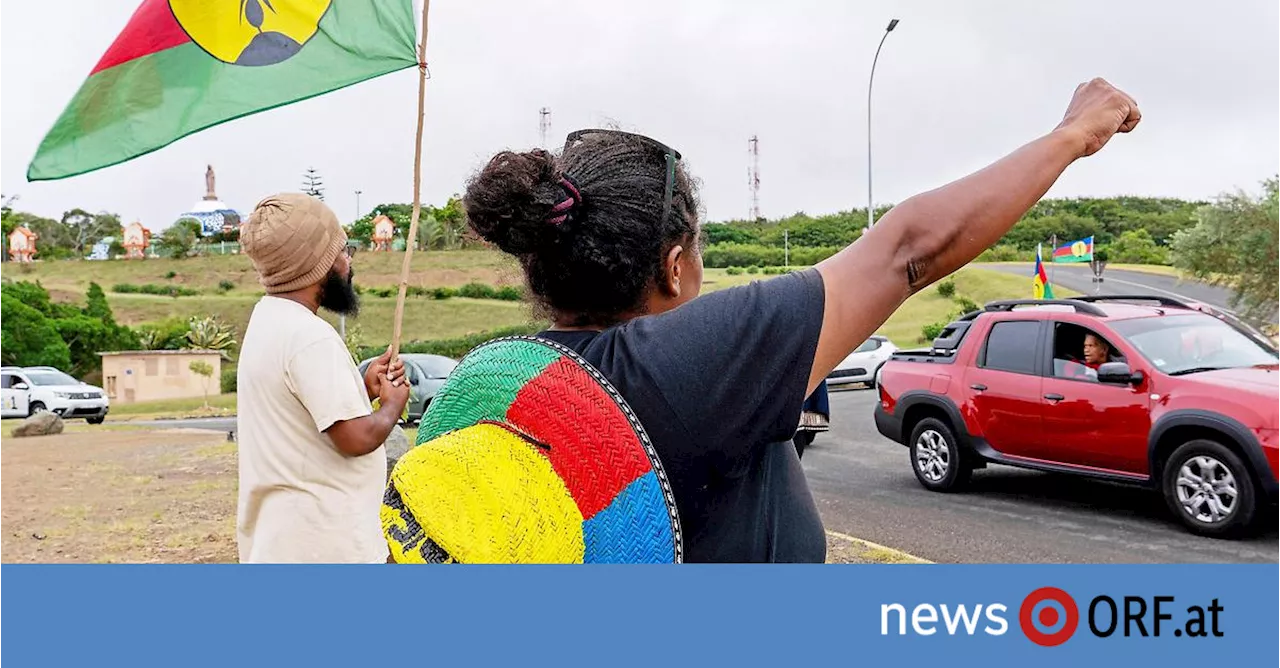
(1185, 344)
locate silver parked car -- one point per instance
(426, 374)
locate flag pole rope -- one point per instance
(410, 242)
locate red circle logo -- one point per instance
(1048, 616)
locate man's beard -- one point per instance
(338, 293)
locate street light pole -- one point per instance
(358, 205)
(870, 206)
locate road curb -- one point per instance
(857, 550)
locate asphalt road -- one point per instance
(864, 487)
(1079, 277)
(213, 424)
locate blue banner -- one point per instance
(912, 615)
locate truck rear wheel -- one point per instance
(937, 460)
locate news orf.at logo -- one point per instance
(1048, 616)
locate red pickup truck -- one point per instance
(1178, 397)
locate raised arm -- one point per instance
(935, 233)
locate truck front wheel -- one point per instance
(1209, 488)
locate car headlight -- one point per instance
(62, 395)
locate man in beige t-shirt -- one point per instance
(312, 466)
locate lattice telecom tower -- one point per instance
(753, 175)
(544, 124)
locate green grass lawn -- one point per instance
(218, 404)
(430, 269)
(927, 306)
(423, 318)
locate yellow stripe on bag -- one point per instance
(487, 496)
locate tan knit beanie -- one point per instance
(293, 240)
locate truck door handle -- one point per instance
(978, 386)
(1054, 397)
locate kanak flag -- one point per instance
(1040, 283)
(1076, 251)
(181, 66)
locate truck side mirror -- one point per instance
(1119, 373)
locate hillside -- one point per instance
(68, 280)
(425, 318)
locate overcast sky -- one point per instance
(959, 83)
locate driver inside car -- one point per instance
(1095, 352)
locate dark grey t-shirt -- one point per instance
(718, 384)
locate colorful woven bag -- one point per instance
(528, 455)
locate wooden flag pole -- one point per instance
(417, 186)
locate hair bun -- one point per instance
(509, 201)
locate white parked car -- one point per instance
(30, 390)
(863, 365)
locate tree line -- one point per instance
(37, 331)
(1133, 229)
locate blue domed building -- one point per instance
(214, 216)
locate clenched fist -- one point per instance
(1097, 112)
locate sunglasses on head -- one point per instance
(670, 155)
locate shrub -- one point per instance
(721, 234)
(1137, 247)
(741, 255)
(1006, 253)
(477, 291)
(805, 257)
(947, 288)
(226, 286)
(932, 330)
(153, 289)
(170, 334)
(171, 275)
(733, 271)
(228, 380)
(509, 293)
(967, 305)
(210, 334)
(753, 269)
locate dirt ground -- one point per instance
(118, 497)
(143, 496)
